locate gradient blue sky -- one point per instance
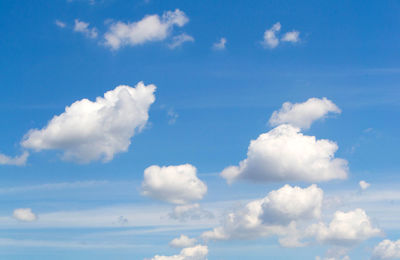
(348, 52)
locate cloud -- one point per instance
(17, 160)
(60, 24)
(190, 212)
(276, 214)
(25, 215)
(179, 40)
(150, 28)
(89, 131)
(302, 115)
(220, 45)
(83, 27)
(173, 116)
(345, 229)
(182, 241)
(387, 249)
(175, 184)
(285, 154)
(270, 39)
(293, 36)
(198, 252)
(364, 185)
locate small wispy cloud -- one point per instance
(17, 160)
(220, 45)
(60, 24)
(84, 28)
(179, 40)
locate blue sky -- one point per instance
(209, 103)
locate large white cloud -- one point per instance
(150, 28)
(198, 252)
(175, 184)
(89, 130)
(285, 154)
(24, 214)
(302, 115)
(17, 160)
(387, 249)
(277, 213)
(345, 229)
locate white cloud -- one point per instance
(17, 160)
(60, 24)
(302, 115)
(364, 185)
(173, 116)
(25, 215)
(190, 212)
(198, 252)
(182, 241)
(174, 184)
(277, 214)
(89, 131)
(285, 154)
(220, 45)
(346, 228)
(83, 27)
(387, 249)
(179, 40)
(150, 28)
(293, 36)
(270, 39)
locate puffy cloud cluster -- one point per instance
(150, 28)
(346, 228)
(82, 27)
(182, 241)
(89, 130)
(198, 252)
(387, 249)
(17, 160)
(271, 39)
(175, 184)
(302, 115)
(285, 154)
(25, 215)
(276, 214)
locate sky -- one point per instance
(194, 130)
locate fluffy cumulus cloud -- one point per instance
(270, 38)
(179, 40)
(345, 229)
(387, 249)
(285, 154)
(198, 252)
(25, 215)
(17, 160)
(89, 130)
(364, 185)
(175, 184)
(84, 28)
(220, 45)
(182, 241)
(276, 214)
(293, 36)
(190, 212)
(150, 28)
(302, 115)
